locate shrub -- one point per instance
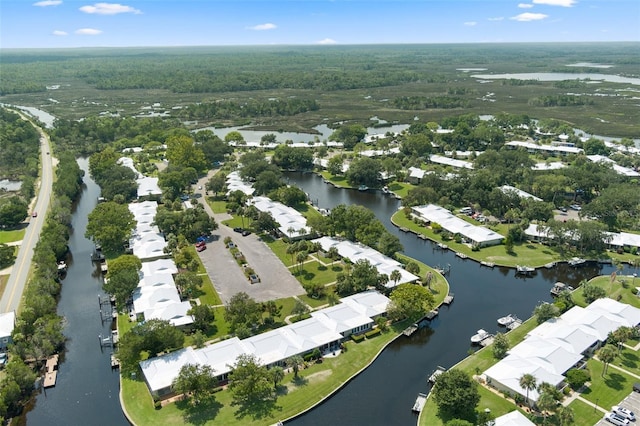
(372, 333)
(519, 399)
(577, 377)
(357, 337)
(157, 405)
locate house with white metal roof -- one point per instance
(148, 187)
(446, 161)
(519, 192)
(158, 266)
(7, 324)
(555, 149)
(292, 223)
(236, 183)
(514, 418)
(472, 234)
(625, 171)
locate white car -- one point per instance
(616, 419)
(624, 412)
(575, 207)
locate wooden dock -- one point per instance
(487, 264)
(448, 299)
(438, 371)
(51, 374)
(461, 255)
(410, 330)
(431, 314)
(486, 342)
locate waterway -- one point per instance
(86, 392)
(384, 393)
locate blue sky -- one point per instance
(73, 23)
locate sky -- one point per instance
(74, 23)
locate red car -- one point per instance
(201, 246)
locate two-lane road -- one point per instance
(17, 280)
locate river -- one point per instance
(87, 390)
(384, 393)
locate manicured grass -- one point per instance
(210, 296)
(530, 254)
(316, 273)
(307, 210)
(629, 360)
(400, 188)
(217, 206)
(314, 303)
(439, 284)
(316, 382)
(621, 288)
(339, 181)
(587, 414)
(11, 236)
(237, 222)
(279, 247)
(610, 389)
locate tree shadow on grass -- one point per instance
(305, 275)
(300, 381)
(200, 413)
(258, 409)
(614, 381)
(336, 268)
(629, 360)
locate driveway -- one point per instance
(228, 278)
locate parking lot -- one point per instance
(632, 402)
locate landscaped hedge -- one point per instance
(357, 337)
(372, 333)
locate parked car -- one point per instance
(238, 229)
(201, 248)
(616, 419)
(246, 232)
(624, 412)
(3, 359)
(563, 209)
(575, 207)
(636, 387)
(200, 244)
(34, 214)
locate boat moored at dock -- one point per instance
(421, 400)
(506, 320)
(479, 336)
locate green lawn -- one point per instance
(307, 210)
(279, 247)
(621, 288)
(439, 285)
(237, 221)
(400, 188)
(339, 181)
(316, 273)
(586, 413)
(317, 382)
(530, 254)
(610, 389)
(210, 296)
(315, 303)
(217, 206)
(11, 236)
(629, 360)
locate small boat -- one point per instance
(363, 188)
(385, 189)
(438, 371)
(505, 321)
(487, 264)
(525, 270)
(421, 400)
(550, 265)
(479, 336)
(443, 246)
(461, 255)
(559, 288)
(576, 261)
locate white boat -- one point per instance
(438, 371)
(363, 188)
(576, 261)
(479, 336)
(505, 321)
(443, 246)
(559, 287)
(421, 400)
(525, 270)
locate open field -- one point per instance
(11, 236)
(358, 89)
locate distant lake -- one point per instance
(560, 76)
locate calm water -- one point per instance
(384, 393)
(86, 392)
(560, 76)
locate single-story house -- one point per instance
(7, 324)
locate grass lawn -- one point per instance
(217, 206)
(315, 303)
(307, 210)
(608, 390)
(210, 296)
(621, 288)
(315, 383)
(339, 181)
(586, 413)
(400, 188)
(530, 254)
(237, 222)
(439, 285)
(316, 273)
(279, 247)
(629, 360)
(11, 236)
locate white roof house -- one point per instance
(175, 313)
(558, 149)
(514, 418)
(7, 324)
(355, 251)
(625, 171)
(379, 152)
(148, 186)
(459, 164)
(552, 165)
(292, 222)
(156, 280)
(128, 162)
(616, 239)
(145, 298)
(451, 223)
(271, 347)
(520, 193)
(159, 266)
(148, 246)
(235, 183)
(143, 210)
(554, 347)
(370, 303)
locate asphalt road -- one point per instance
(17, 280)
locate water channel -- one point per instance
(87, 389)
(86, 392)
(384, 393)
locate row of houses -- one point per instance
(560, 344)
(471, 234)
(613, 240)
(148, 187)
(325, 330)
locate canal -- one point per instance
(384, 393)
(87, 390)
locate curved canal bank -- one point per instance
(86, 391)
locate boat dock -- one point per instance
(517, 322)
(487, 264)
(410, 330)
(461, 255)
(487, 341)
(115, 362)
(431, 314)
(51, 375)
(525, 270)
(438, 371)
(421, 400)
(448, 299)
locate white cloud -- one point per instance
(263, 27)
(88, 31)
(59, 33)
(470, 24)
(563, 3)
(525, 5)
(327, 41)
(497, 18)
(48, 3)
(109, 9)
(526, 17)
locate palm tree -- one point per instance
(292, 249)
(546, 402)
(395, 276)
(606, 354)
(301, 257)
(566, 416)
(528, 382)
(295, 362)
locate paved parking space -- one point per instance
(632, 402)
